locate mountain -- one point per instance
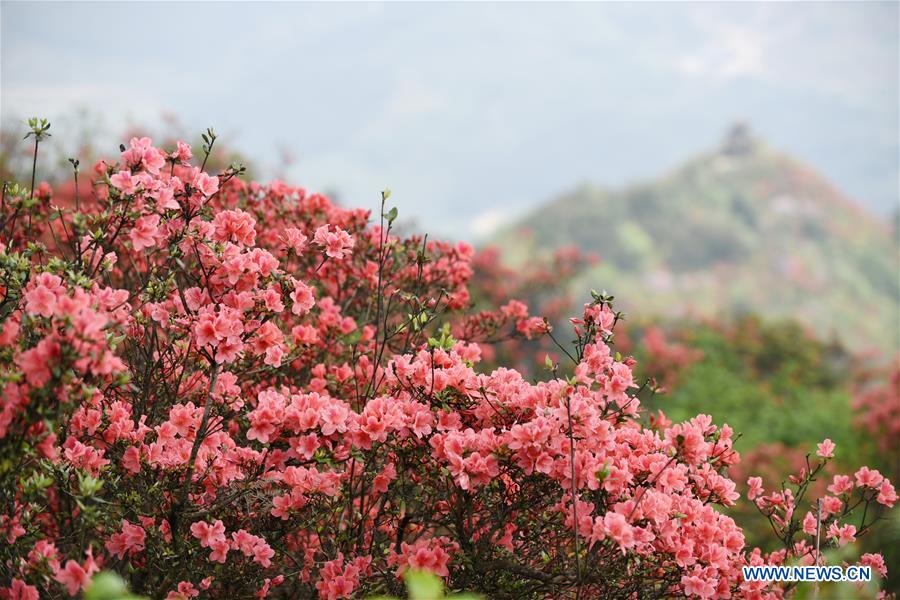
(739, 229)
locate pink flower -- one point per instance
(841, 484)
(165, 198)
(303, 298)
(212, 537)
(262, 554)
(337, 581)
(294, 239)
(432, 555)
(514, 309)
(19, 590)
(887, 496)
(144, 233)
(40, 301)
(532, 327)
(134, 536)
(206, 184)
(272, 298)
(601, 315)
(42, 297)
(182, 152)
(268, 416)
(617, 527)
(130, 540)
(84, 456)
(131, 459)
(866, 477)
(142, 153)
(185, 591)
(219, 549)
(229, 350)
(844, 535)
(875, 561)
(235, 225)
(152, 160)
(115, 545)
(35, 363)
(809, 524)
(695, 585)
(382, 480)
(274, 355)
(334, 418)
(282, 506)
(825, 449)
(253, 545)
(337, 243)
(831, 505)
(756, 488)
(208, 534)
(205, 330)
(123, 181)
(75, 576)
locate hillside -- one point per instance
(743, 228)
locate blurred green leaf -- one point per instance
(423, 585)
(391, 215)
(107, 585)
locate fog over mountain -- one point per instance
(473, 113)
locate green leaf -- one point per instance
(423, 585)
(107, 585)
(391, 215)
(88, 486)
(603, 473)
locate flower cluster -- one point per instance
(220, 388)
(826, 519)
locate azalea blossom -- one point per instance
(825, 449)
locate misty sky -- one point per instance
(473, 113)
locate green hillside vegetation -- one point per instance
(769, 381)
(742, 229)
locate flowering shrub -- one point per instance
(222, 389)
(879, 415)
(667, 358)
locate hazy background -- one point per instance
(472, 113)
